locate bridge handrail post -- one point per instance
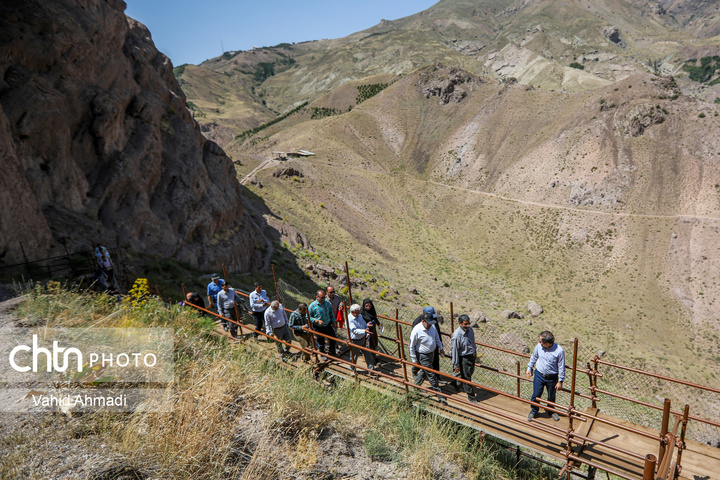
(399, 334)
(649, 471)
(681, 445)
(572, 384)
(517, 367)
(664, 429)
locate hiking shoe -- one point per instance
(442, 400)
(472, 399)
(531, 415)
(225, 327)
(555, 417)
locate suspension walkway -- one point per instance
(583, 441)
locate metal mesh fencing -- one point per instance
(512, 336)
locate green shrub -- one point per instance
(579, 66)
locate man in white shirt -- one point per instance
(424, 339)
(259, 302)
(276, 325)
(359, 332)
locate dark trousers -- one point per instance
(259, 321)
(467, 368)
(232, 326)
(283, 333)
(355, 352)
(435, 363)
(330, 331)
(426, 360)
(541, 382)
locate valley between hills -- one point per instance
(594, 192)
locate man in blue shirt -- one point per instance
(259, 302)
(213, 289)
(548, 358)
(322, 321)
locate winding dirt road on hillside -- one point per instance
(270, 163)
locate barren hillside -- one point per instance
(602, 205)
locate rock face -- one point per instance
(449, 84)
(98, 145)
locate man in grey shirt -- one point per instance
(276, 325)
(227, 300)
(464, 354)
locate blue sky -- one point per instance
(191, 31)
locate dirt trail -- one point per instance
(257, 217)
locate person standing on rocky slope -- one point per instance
(259, 302)
(464, 354)
(322, 319)
(195, 299)
(213, 288)
(549, 359)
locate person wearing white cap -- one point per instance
(359, 332)
(424, 339)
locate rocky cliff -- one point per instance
(97, 143)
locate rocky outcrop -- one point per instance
(449, 84)
(98, 144)
(613, 34)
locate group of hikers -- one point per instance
(326, 313)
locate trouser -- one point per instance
(426, 360)
(372, 342)
(259, 322)
(541, 382)
(467, 368)
(435, 363)
(330, 331)
(232, 326)
(283, 333)
(355, 352)
(305, 340)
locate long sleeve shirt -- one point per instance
(297, 321)
(463, 344)
(214, 288)
(226, 301)
(548, 361)
(357, 327)
(423, 341)
(322, 312)
(257, 299)
(274, 319)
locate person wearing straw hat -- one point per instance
(424, 339)
(359, 333)
(548, 358)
